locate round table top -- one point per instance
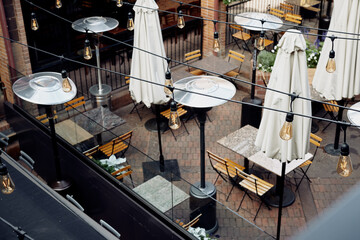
(209, 85)
(252, 21)
(354, 117)
(95, 24)
(43, 88)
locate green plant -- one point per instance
(226, 2)
(266, 59)
(313, 53)
(106, 167)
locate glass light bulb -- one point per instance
(87, 50)
(331, 65)
(130, 22)
(174, 120)
(34, 22)
(286, 131)
(344, 166)
(58, 4)
(6, 184)
(180, 21)
(119, 3)
(260, 43)
(216, 45)
(66, 86)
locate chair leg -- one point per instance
(302, 178)
(230, 192)
(185, 126)
(132, 181)
(257, 212)
(217, 178)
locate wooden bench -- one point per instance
(116, 145)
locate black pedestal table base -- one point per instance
(331, 150)
(272, 198)
(151, 126)
(61, 186)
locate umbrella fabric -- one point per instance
(345, 81)
(289, 75)
(147, 36)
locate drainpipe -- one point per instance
(5, 30)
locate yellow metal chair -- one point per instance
(331, 111)
(193, 55)
(44, 119)
(240, 35)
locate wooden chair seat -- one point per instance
(261, 187)
(123, 172)
(193, 55)
(242, 35)
(240, 58)
(308, 162)
(231, 169)
(117, 145)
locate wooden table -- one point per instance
(72, 132)
(215, 64)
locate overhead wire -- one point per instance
(188, 91)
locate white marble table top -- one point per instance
(72, 132)
(241, 141)
(354, 117)
(274, 165)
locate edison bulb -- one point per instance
(87, 50)
(260, 42)
(180, 20)
(34, 22)
(344, 166)
(66, 86)
(216, 46)
(331, 65)
(286, 130)
(7, 186)
(168, 82)
(174, 120)
(130, 22)
(58, 4)
(119, 3)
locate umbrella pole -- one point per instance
(162, 162)
(333, 149)
(59, 185)
(281, 196)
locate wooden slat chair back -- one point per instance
(117, 145)
(191, 56)
(287, 7)
(123, 172)
(255, 185)
(330, 110)
(192, 222)
(277, 12)
(293, 18)
(316, 141)
(77, 102)
(181, 111)
(44, 119)
(238, 57)
(90, 152)
(240, 35)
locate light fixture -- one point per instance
(180, 20)
(216, 45)
(331, 65)
(174, 120)
(344, 166)
(119, 3)
(34, 22)
(286, 132)
(260, 42)
(7, 185)
(58, 3)
(87, 49)
(66, 86)
(168, 84)
(130, 22)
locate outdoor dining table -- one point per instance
(98, 120)
(72, 132)
(215, 64)
(354, 116)
(242, 141)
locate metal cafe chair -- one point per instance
(193, 55)
(123, 172)
(331, 111)
(239, 58)
(240, 35)
(43, 118)
(71, 105)
(315, 140)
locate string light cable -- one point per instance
(188, 91)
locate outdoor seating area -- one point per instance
(220, 143)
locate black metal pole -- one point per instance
(201, 115)
(281, 192)
(338, 127)
(50, 116)
(253, 77)
(162, 162)
(328, 10)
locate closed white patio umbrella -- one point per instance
(147, 36)
(289, 75)
(144, 65)
(345, 81)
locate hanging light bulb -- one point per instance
(66, 86)
(119, 3)
(330, 65)
(34, 22)
(6, 184)
(286, 130)
(344, 166)
(168, 82)
(87, 50)
(174, 120)
(130, 22)
(260, 42)
(58, 3)
(216, 42)
(180, 20)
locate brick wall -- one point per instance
(15, 23)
